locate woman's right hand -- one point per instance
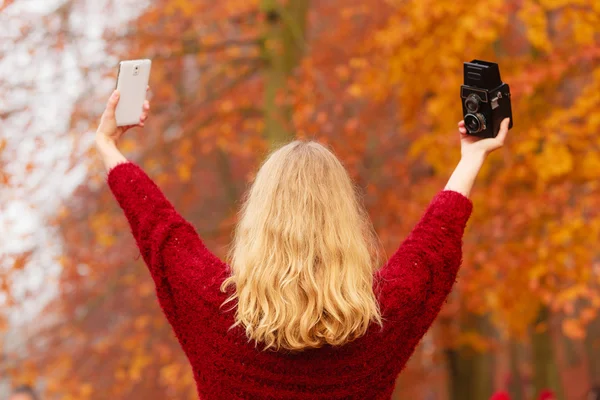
(475, 147)
(108, 132)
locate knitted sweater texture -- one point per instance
(412, 288)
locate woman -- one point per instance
(302, 312)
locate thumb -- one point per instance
(503, 131)
(111, 105)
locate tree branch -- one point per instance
(8, 113)
(230, 85)
(245, 111)
(196, 48)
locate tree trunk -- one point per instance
(283, 43)
(470, 371)
(515, 385)
(546, 375)
(592, 347)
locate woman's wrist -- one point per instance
(463, 177)
(474, 158)
(110, 154)
(105, 143)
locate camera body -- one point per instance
(485, 99)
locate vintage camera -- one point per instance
(485, 99)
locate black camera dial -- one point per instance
(472, 103)
(475, 123)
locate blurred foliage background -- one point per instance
(376, 80)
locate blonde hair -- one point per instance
(304, 254)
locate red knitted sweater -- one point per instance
(413, 285)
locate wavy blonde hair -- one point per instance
(304, 254)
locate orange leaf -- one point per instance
(573, 329)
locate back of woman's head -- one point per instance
(304, 253)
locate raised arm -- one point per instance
(180, 264)
(419, 276)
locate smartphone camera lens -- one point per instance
(136, 70)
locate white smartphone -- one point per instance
(132, 81)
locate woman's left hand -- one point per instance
(473, 146)
(474, 150)
(108, 131)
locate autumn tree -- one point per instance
(530, 252)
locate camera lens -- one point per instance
(472, 103)
(474, 123)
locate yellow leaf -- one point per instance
(590, 166)
(170, 373)
(554, 161)
(355, 90)
(572, 293)
(86, 389)
(184, 172)
(474, 340)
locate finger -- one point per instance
(463, 131)
(111, 105)
(143, 117)
(503, 131)
(461, 124)
(146, 105)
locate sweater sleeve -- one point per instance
(181, 266)
(417, 279)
